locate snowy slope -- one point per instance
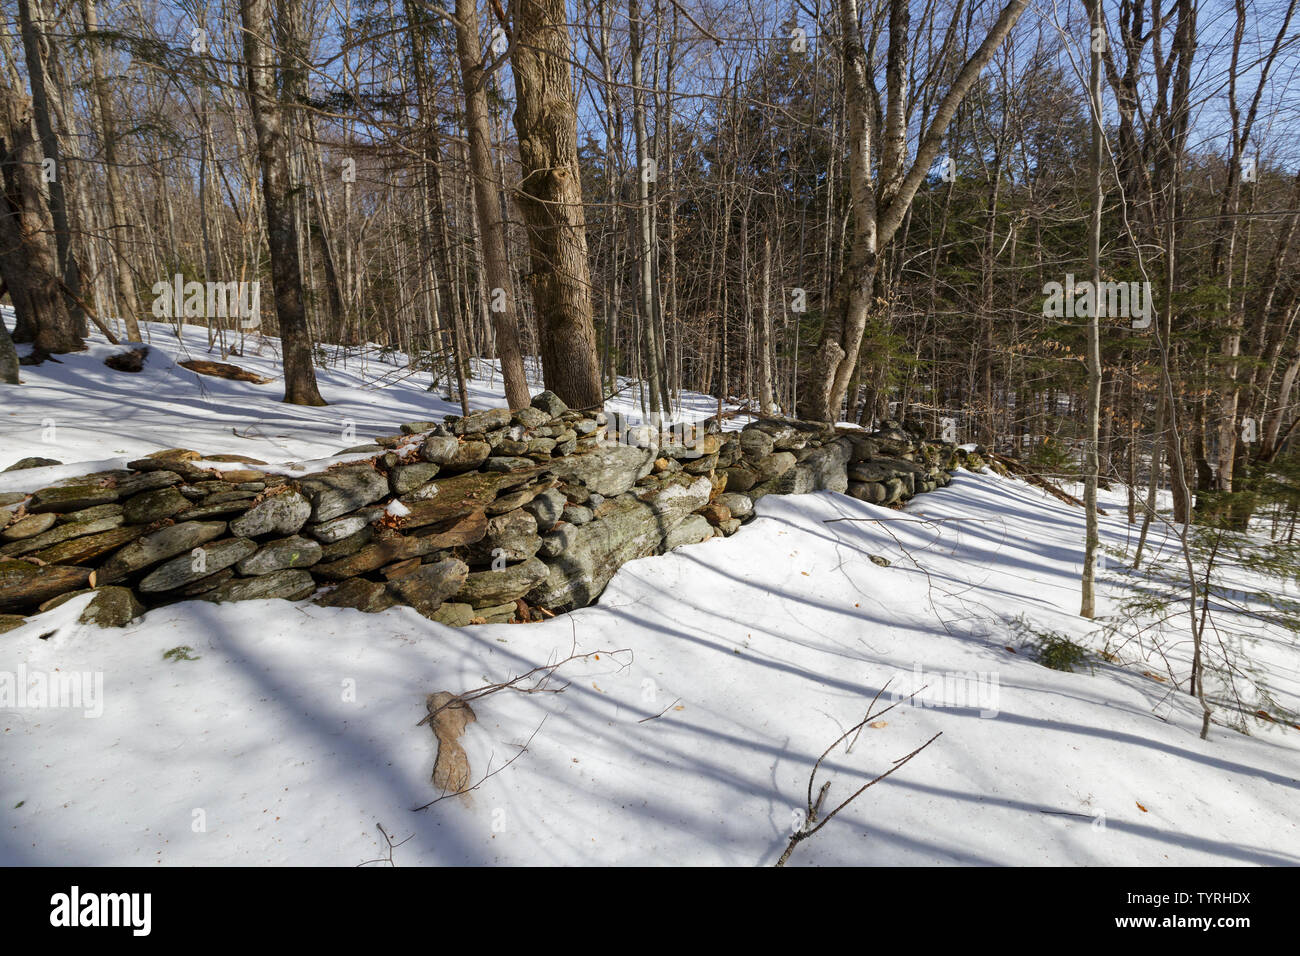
(76, 409)
(724, 670)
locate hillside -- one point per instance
(716, 676)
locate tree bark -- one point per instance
(550, 199)
(501, 298)
(8, 356)
(282, 240)
(1088, 602)
(765, 402)
(645, 172)
(121, 232)
(36, 42)
(28, 263)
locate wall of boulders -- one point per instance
(495, 516)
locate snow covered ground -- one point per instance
(718, 674)
(76, 409)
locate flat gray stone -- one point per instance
(740, 506)
(150, 506)
(633, 527)
(284, 513)
(417, 428)
(490, 588)
(158, 546)
(28, 527)
(288, 585)
(57, 535)
(336, 529)
(468, 456)
(360, 594)
(335, 493)
(88, 548)
(556, 540)
(482, 421)
(692, 530)
(63, 498)
(609, 470)
(755, 444)
(24, 584)
(530, 417)
(510, 537)
(439, 449)
(578, 514)
(774, 465)
(145, 481)
(182, 570)
(451, 613)
(427, 587)
(90, 514)
(279, 555)
(111, 606)
(407, 478)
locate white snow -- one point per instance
(723, 671)
(77, 408)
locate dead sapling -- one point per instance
(814, 821)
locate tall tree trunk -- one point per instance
(121, 231)
(765, 401)
(645, 173)
(1088, 604)
(28, 263)
(36, 42)
(282, 240)
(501, 297)
(551, 201)
(8, 356)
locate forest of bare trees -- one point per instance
(842, 209)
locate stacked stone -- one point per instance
(791, 458)
(496, 516)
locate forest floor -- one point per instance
(716, 675)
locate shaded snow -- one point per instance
(724, 669)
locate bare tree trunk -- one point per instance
(551, 201)
(28, 264)
(501, 297)
(765, 402)
(36, 42)
(1088, 604)
(8, 355)
(282, 240)
(121, 231)
(645, 173)
(437, 197)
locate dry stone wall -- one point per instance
(495, 516)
